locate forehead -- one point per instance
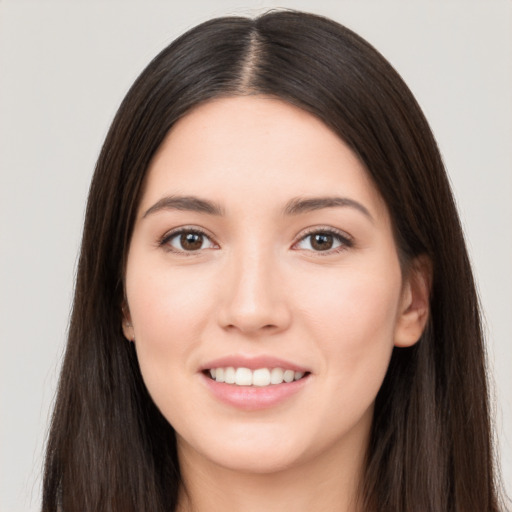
(254, 151)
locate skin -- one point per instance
(257, 286)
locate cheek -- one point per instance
(168, 311)
(353, 302)
(353, 323)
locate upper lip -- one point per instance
(253, 363)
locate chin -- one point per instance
(255, 452)
(259, 461)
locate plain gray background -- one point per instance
(64, 68)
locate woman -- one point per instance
(274, 306)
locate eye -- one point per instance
(324, 241)
(188, 240)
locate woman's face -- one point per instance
(261, 252)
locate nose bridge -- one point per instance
(253, 298)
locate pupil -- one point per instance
(191, 241)
(322, 242)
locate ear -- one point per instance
(127, 323)
(415, 302)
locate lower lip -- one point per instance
(250, 398)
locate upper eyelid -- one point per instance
(343, 235)
(323, 229)
(164, 241)
(346, 241)
(186, 229)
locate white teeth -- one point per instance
(229, 375)
(261, 377)
(276, 376)
(288, 375)
(243, 377)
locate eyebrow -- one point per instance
(299, 205)
(295, 206)
(185, 203)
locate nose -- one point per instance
(253, 301)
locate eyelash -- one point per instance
(164, 242)
(344, 240)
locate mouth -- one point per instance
(255, 383)
(260, 377)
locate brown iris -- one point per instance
(322, 241)
(191, 241)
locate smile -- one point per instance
(260, 377)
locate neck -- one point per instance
(330, 484)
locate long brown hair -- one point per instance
(430, 447)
